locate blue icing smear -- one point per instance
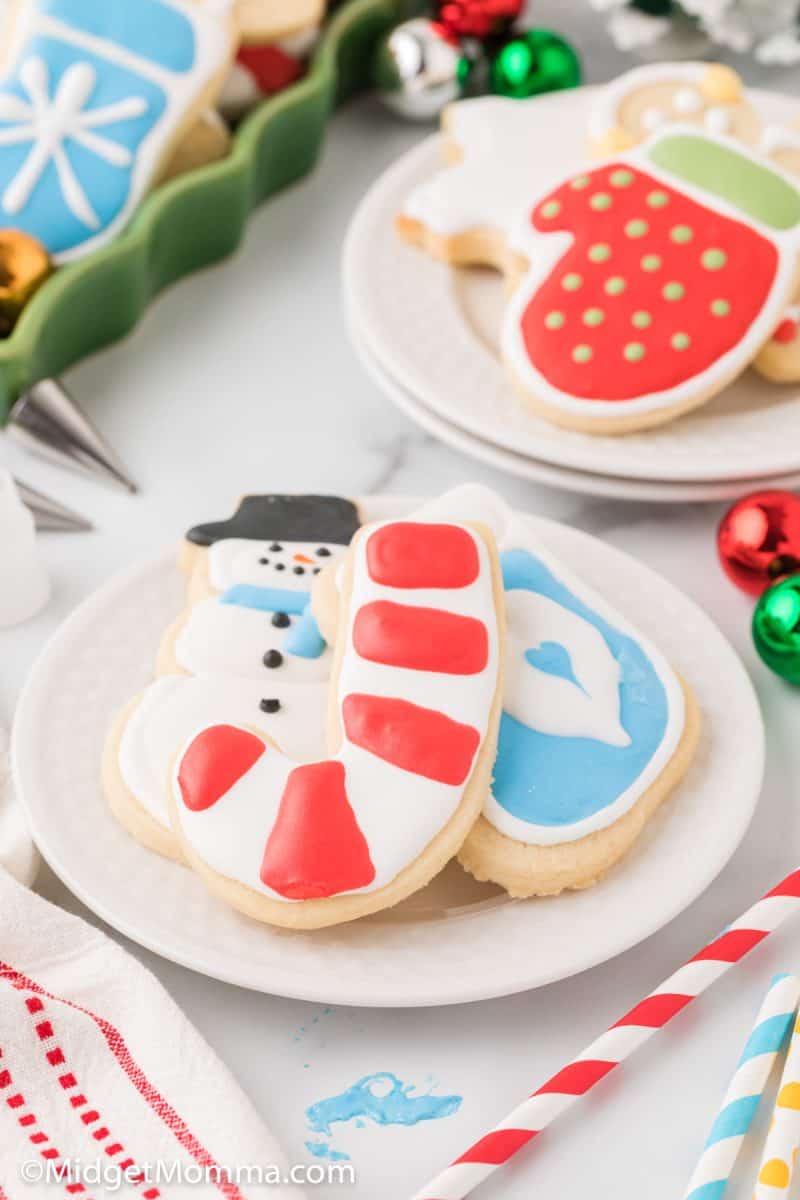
(557, 781)
(148, 28)
(324, 1150)
(304, 639)
(383, 1099)
(553, 659)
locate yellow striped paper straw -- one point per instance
(780, 1149)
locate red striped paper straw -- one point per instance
(634, 1029)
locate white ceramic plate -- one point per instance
(456, 941)
(435, 331)
(564, 478)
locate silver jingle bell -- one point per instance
(418, 70)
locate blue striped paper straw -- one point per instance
(739, 1107)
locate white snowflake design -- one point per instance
(47, 123)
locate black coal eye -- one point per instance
(323, 552)
(264, 562)
(280, 566)
(299, 570)
(270, 706)
(276, 547)
(317, 570)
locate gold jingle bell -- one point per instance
(24, 266)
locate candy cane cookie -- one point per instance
(597, 728)
(641, 287)
(414, 707)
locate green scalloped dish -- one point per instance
(196, 219)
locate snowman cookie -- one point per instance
(643, 286)
(597, 729)
(645, 100)
(414, 707)
(250, 590)
(94, 97)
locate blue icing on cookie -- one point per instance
(324, 1150)
(249, 595)
(553, 659)
(148, 28)
(384, 1099)
(304, 639)
(66, 194)
(551, 780)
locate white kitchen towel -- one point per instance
(103, 1081)
(17, 851)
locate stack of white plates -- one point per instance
(429, 334)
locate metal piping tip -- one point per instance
(49, 515)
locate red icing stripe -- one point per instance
(415, 739)
(790, 886)
(408, 554)
(213, 763)
(271, 67)
(420, 639)
(498, 1147)
(786, 332)
(316, 848)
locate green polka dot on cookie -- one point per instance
(621, 178)
(651, 262)
(594, 316)
(554, 320)
(582, 353)
(600, 201)
(615, 286)
(680, 341)
(551, 209)
(713, 260)
(636, 229)
(720, 308)
(634, 352)
(581, 182)
(641, 319)
(681, 234)
(571, 282)
(658, 199)
(673, 291)
(600, 252)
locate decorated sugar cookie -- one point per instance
(252, 580)
(147, 734)
(94, 97)
(596, 731)
(647, 99)
(262, 21)
(415, 701)
(644, 285)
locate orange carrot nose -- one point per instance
(303, 558)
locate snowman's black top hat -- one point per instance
(291, 518)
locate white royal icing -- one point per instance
(175, 707)
(91, 98)
(687, 100)
(604, 114)
(653, 117)
(398, 811)
(588, 706)
(230, 639)
(718, 120)
(246, 560)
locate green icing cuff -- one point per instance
(749, 186)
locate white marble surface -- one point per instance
(242, 379)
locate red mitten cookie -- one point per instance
(654, 281)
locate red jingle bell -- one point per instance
(478, 18)
(758, 540)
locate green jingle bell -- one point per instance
(776, 628)
(532, 63)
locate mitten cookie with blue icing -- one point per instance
(597, 728)
(414, 706)
(250, 591)
(94, 97)
(647, 99)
